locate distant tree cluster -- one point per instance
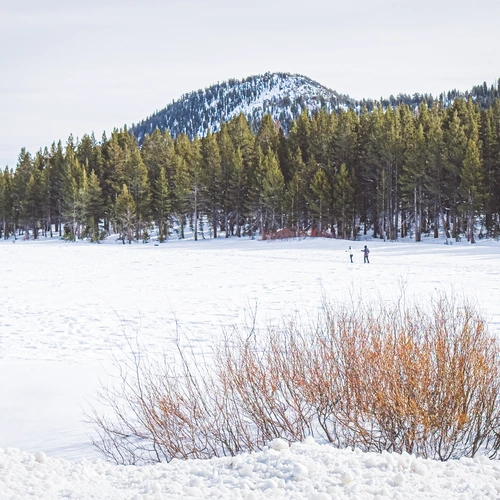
(396, 171)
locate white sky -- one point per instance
(77, 67)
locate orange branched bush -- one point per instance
(316, 233)
(282, 234)
(421, 379)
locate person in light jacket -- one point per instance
(350, 253)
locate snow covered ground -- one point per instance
(64, 309)
(302, 471)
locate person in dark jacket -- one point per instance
(365, 253)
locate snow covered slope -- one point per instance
(283, 95)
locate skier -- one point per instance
(365, 253)
(350, 252)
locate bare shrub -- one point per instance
(282, 234)
(320, 233)
(416, 381)
(421, 379)
(167, 408)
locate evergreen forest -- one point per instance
(392, 171)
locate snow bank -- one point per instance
(301, 471)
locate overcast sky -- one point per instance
(92, 65)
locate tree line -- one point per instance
(394, 171)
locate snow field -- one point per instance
(64, 311)
(72, 302)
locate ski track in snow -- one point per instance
(66, 308)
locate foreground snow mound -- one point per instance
(301, 471)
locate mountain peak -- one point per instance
(283, 95)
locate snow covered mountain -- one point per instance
(283, 95)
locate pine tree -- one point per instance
(125, 214)
(455, 143)
(471, 186)
(390, 160)
(242, 138)
(345, 139)
(320, 201)
(227, 156)
(490, 153)
(195, 167)
(82, 203)
(159, 155)
(22, 176)
(137, 181)
(284, 156)
(273, 190)
(158, 152)
(115, 153)
(89, 154)
(256, 215)
(162, 206)
(69, 205)
(182, 192)
(300, 133)
(212, 179)
(321, 144)
(413, 177)
(435, 172)
(366, 179)
(55, 178)
(267, 135)
(46, 204)
(5, 202)
(237, 194)
(74, 197)
(296, 195)
(94, 207)
(343, 202)
(40, 165)
(494, 173)
(32, 203)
